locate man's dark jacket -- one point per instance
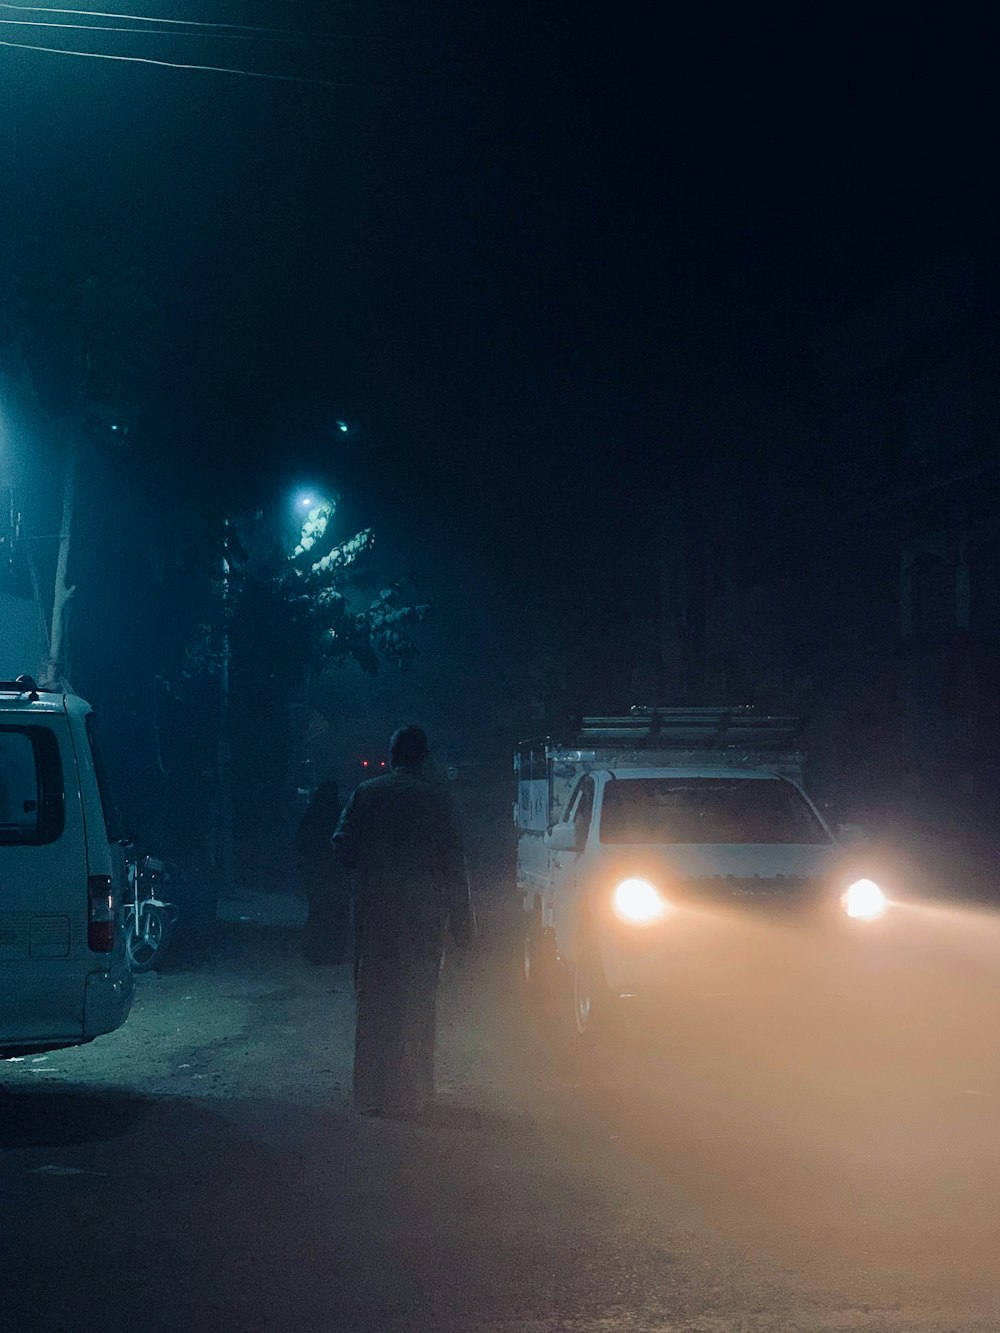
(398, 832)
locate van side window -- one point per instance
(32, 799)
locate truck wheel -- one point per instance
(538, 962)
(591, 997)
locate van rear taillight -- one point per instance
(101, 919)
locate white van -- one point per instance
(64, 978)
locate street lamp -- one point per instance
(314, 512)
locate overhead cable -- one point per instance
(175, 64)
(145, 18)
(169, 32)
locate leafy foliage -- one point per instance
(289, 614)
(316, 597)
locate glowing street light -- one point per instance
(314, 512)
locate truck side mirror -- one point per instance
(562, 838)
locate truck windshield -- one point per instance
(707, 810)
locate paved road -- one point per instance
(822, 1155)
(845, 1121)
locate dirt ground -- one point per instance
(640, 1188)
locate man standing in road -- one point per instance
(398, 832)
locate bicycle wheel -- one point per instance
(144, 947)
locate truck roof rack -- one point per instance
(711, 728)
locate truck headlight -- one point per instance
(864, 900)
(637, 902)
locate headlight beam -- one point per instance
(638, 903)
(865, 901)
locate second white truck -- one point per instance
(648, 828)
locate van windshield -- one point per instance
(31, 786)
(707, 810)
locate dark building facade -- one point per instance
(846, 565)
(907, 407)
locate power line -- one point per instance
(169, 32)
(174, 64)
(144, 18)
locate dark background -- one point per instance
(627, 313)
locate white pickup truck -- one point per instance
(640, 837)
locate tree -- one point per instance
(285, 609)
(314, 601)
(320, 581)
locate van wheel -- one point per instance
(145, 948)
(591, 997)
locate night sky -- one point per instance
(540, 256)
